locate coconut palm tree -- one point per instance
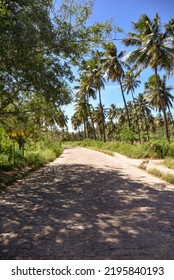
(111, 124)
(161, 99)
(113, 67)
(152, 50)
(152, 45)
(76, 121)
(169, 27)
(144, 112)
(97, 82)
(112, 112)
(98, 119)
(81, 113)
(130, 83)
(85, 90)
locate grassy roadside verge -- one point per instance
(165, 176)
(152, 150)
(33, 160)
(156, 172)
(110, 147)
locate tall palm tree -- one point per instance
(81, 113)
(85, 90)
(144, 112)
(159, 123)
(112, 112)
(161, 99)
(111, 124)
(130, 83)
(169, 27)
(98, 119)
(97, 81)
(113, 67)
(152, 50)
(76, 121)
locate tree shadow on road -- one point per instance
(82, 212)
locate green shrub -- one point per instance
(170, 152)
(58, 149)
(4, 163)
(39, 158)
(158, 149)
(47, 155)
(33, 159)
(127, 135)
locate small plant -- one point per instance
(142, 166)
(155, 172)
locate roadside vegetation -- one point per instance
(16, 161)
(165, 176)
(152, 149)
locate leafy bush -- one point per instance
(4, 163)
(33, 159)
(39, 158)
(57, 149)
(127, 135)
(170, 151)
(158, 149)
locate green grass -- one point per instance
(142, 166)
(103, 151)
(169, 162)
(33, 159)
(153, 149)
(132, 151)
(165, 176)
(39, 158)
(110, 147)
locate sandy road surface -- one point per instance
(88, 205)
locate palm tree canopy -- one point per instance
(170, 27)
(112, 62)
(94, 73)
(112, 112)
(84, 87)
(152, 48)
(153, 96)
(130, 82)
(142, 104)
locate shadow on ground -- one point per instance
(81, 212)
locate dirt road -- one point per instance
(88, 205)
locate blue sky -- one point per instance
(123, 12)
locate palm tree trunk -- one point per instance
(146, 126)
(163, 107)
(125, 105)
(92, 122)
(138, 125)
(103, 117)
(93, 127)
(84, 127)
